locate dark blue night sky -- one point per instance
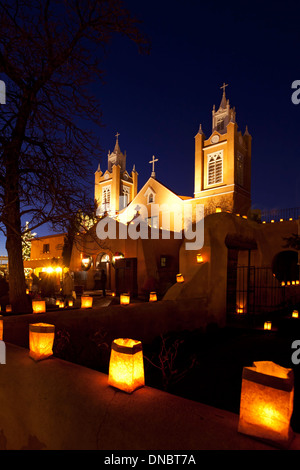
(156, 102)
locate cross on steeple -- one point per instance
(117, 135)
(153, 162)
(224, 86)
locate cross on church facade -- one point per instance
(153, 162)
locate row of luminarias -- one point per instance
(267, 391)
(39, 306)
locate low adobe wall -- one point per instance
(56, 405)
(142, 321)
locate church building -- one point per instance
(222, 179)
(237, 247)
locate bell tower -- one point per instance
(223, 163)
(115, 188)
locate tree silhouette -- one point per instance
(49, 52)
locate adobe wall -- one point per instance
(209, 279)
(56, 405)
(142, 321)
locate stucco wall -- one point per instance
(210, 279)
(142, 321)
(56, 405)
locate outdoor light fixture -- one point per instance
(199, 258)
(267, 325)
(8, 308)
(27, 291)
(126, 365)
(295, 314)
(266, 404)
(41, 338)
(179, 278)
(124, 299)
(61, 304)
(70, 303)
(282, 283)
(152, 297)
(218, 209)
(38, 306)
(57, 302)
(86, 301)
(240, 310)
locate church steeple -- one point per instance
(223, 115)
(116, 157)
(223, 101)
(223, 163)
(115, 188)
(117, 147)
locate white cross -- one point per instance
(153, 162)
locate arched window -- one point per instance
(106, 198)
(215, 168)
(126, 195)
(220, 125)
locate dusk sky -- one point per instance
(156, 102)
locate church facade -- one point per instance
(222, 179)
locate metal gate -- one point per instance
(252, 290)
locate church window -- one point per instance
(240, 170)
(220, 125)
(125, 197)
(150, 195)
(126, 193)
(106, 197)
(215, 168)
